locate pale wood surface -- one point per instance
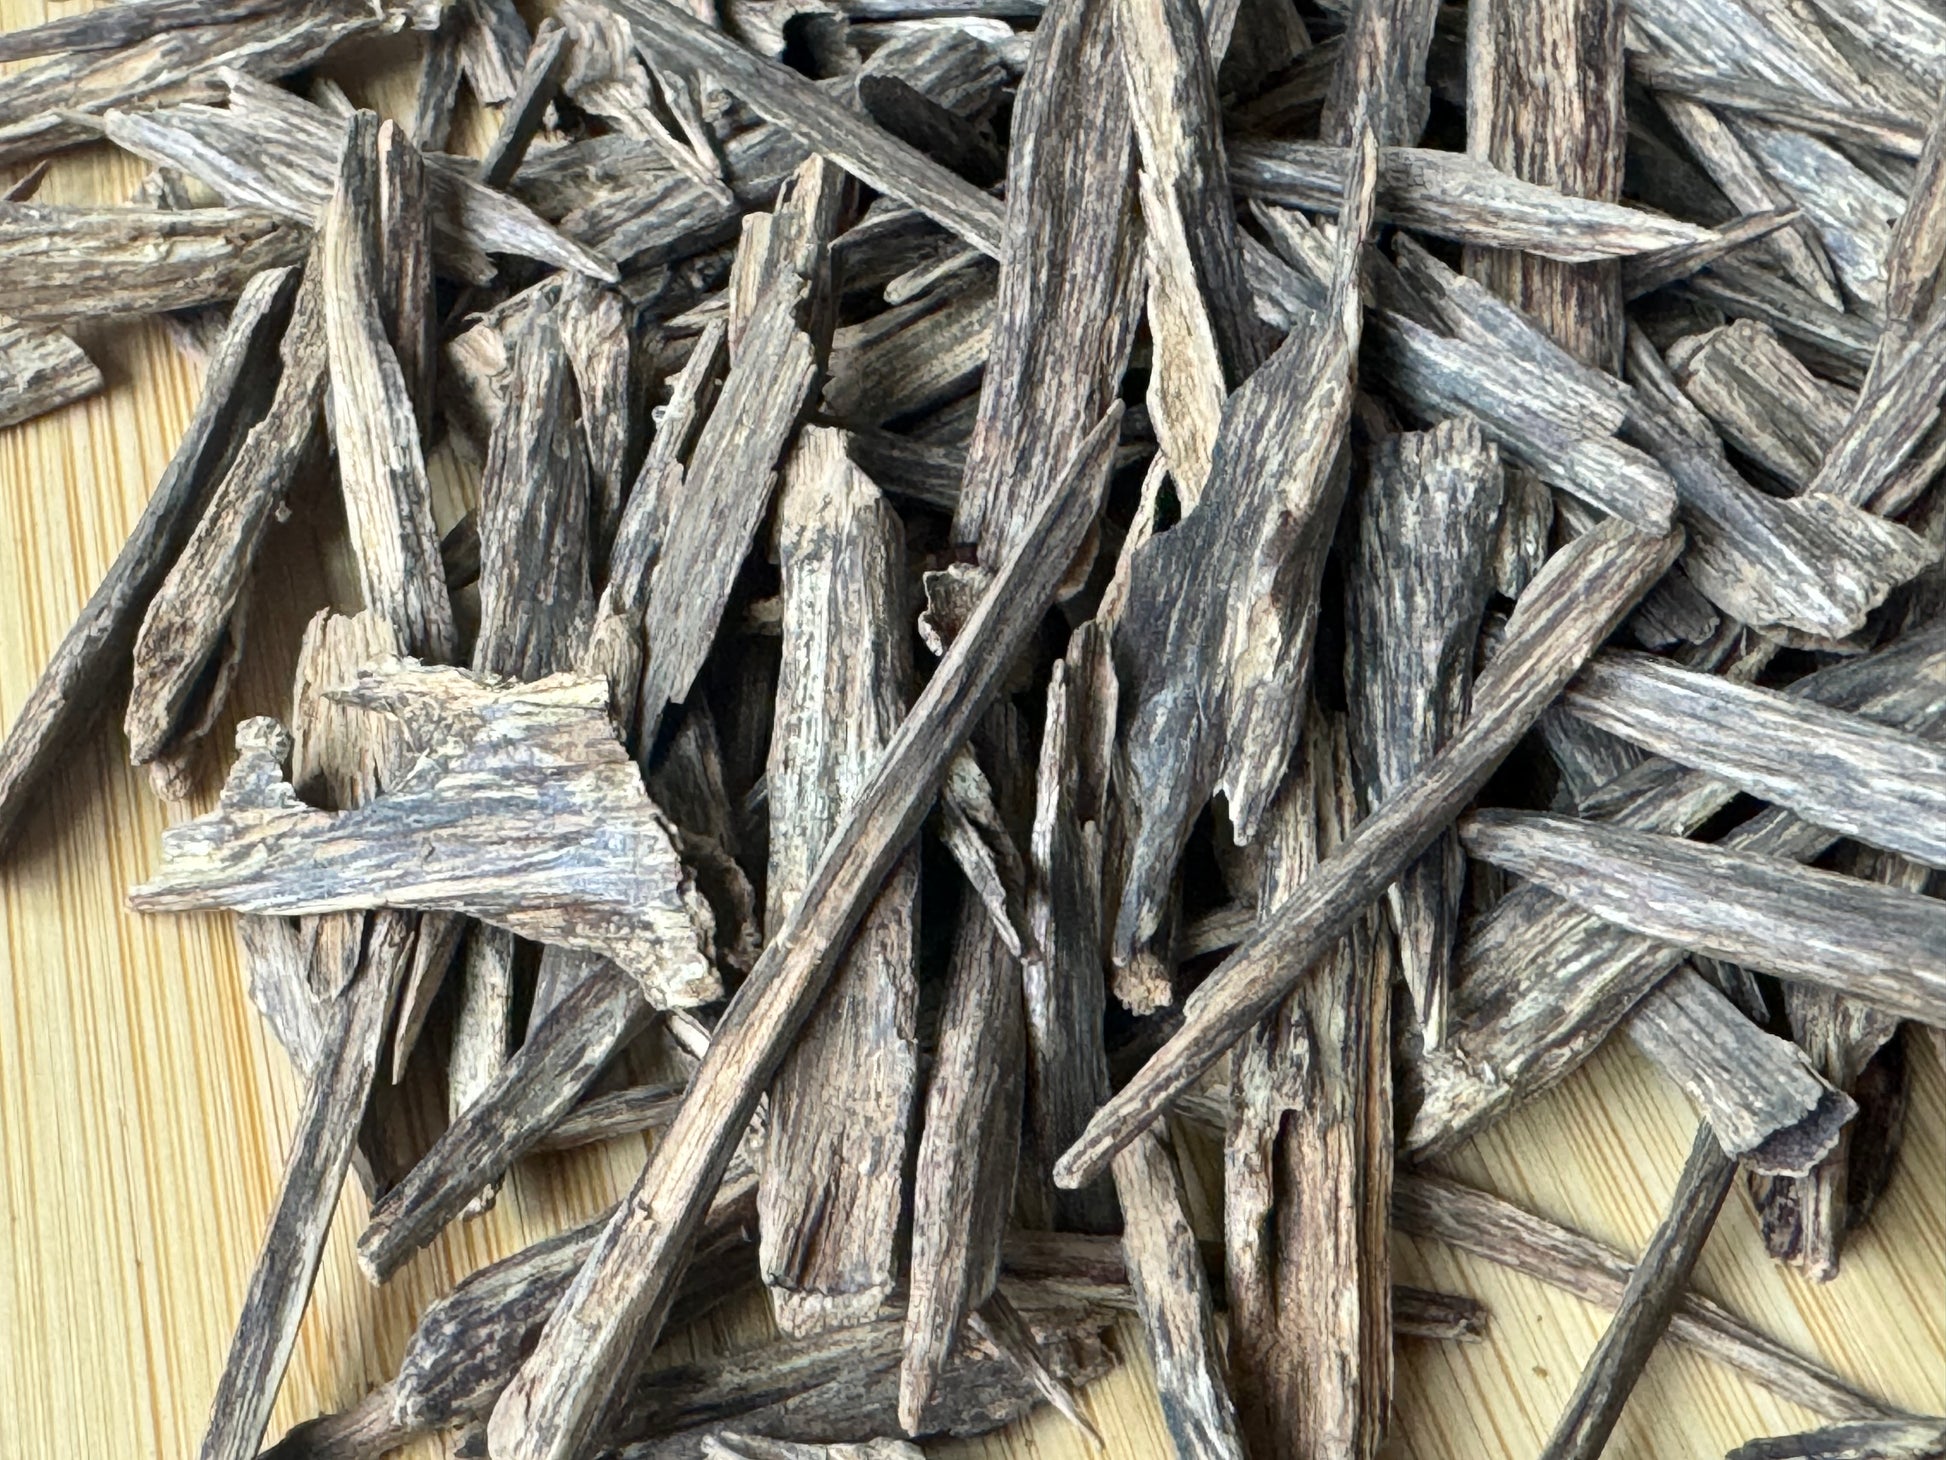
(143, 1111)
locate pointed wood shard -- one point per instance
(1416, 590)
(1215, 679)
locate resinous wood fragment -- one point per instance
(914, 357)
(539, 772)
(388, 500)
(1207, 340)
(1308, 1158)
(841, 1102)
(595, 324)
(969, 1150)
(437, 97)
(83, 669)
(1070, 271)
(1381, 67)
(1067, 1062)
(405, 268)
(1816, 563)
(1647, 1303)
(1172, 1295)
(1215, 679)
(938, 88)
(622, 1296)
(1416, 588)
(194, 620)
(1761, 398)
(1839, 770)
(61, 262)
(1512, 1237)
(155, 57)
(41, 370)
(1578, 598)
(1453, 196)
(727, 484)
(1873, 942)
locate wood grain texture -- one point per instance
(128, 1243)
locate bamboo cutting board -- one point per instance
(144, 1113)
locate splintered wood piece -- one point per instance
(1893, 413)
(1207, 340)
(1805, 1219)
(1918, 243)
(1000, 1325)
(595, 324)
(1567, 610)
(1647, 1303)
(41, 370)
(841, 1101)
(1507, 1235)
(1876, 943)
(727, 485)
(388, 500)
(1850, 208)
(1381, 70)
(969, 1150)
(1848, 121)
(61, 707)
(974, 831)
(1070, 280)
(533, 1092)
(1872, 1439)
(405, 268)
(1308, 1158)
(1214, 681)
(1544, 104)
(938, 88)
(1416, 588)
(1512, 1041)
(1645, 273)
(540, 77)
(148, 53)
(1880, 785)
(1067, 1060)
(1452, 196)
(1762, 1095)
(1172, 1294)
(917, 357)
(791, 101)
(193, 622)
(493, 39)
(622, 1296)
(437, 97)
(533, 518)
(689, 784)
(271, 149)
(556, 840)
(60, 262)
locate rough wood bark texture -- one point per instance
(537, 769)
(41, 370)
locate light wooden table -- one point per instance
(144, 1113)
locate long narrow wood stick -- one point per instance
(617, 1302)
(1654, 1289)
